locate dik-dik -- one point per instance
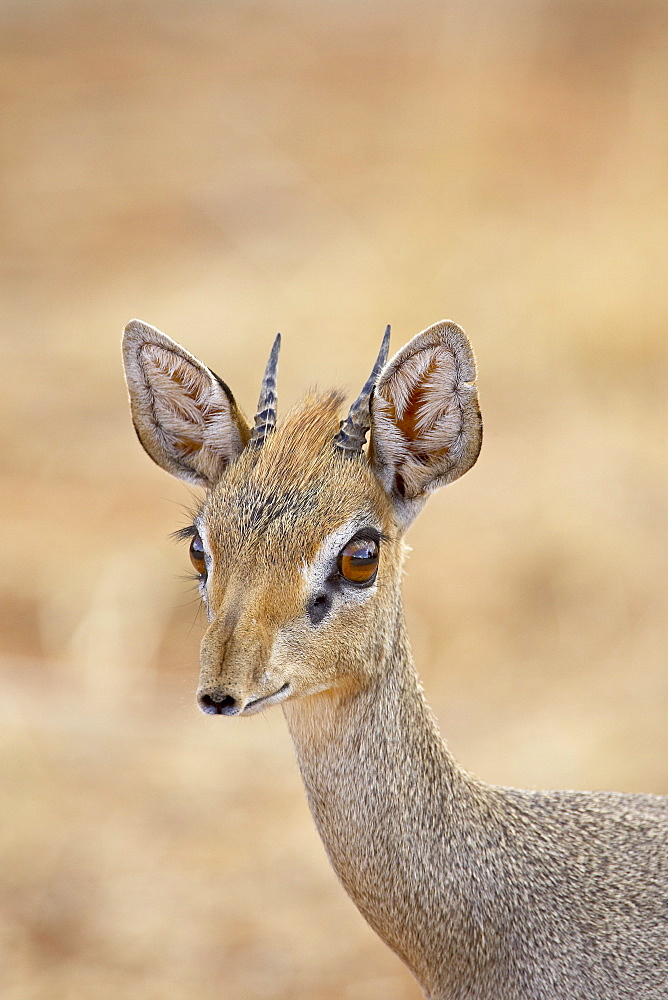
(486, 893)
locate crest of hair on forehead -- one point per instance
(304, 439)
(299, 451)
(298, 476)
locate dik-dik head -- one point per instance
(297, 543)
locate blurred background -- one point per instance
(225, 170)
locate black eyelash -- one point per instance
(372, 533)
(194, 578)
(183, 534)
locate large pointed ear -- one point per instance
(425, 421)
(185, 416)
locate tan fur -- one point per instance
(486, 893)
(266, 519)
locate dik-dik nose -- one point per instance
(216, 701)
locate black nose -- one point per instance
(218, 703)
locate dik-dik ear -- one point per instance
(425, 421)
(185, 416)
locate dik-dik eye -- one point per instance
(358, 561)
(197, 555)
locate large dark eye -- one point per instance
(197, 555)
(358, 561)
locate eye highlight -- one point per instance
(197, 555)
(358, 561)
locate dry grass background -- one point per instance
(224, 170)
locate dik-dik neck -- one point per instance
(388, 800)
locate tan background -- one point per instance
(224, 170)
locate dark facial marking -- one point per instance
(319, 606)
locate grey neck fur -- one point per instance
(486, 893)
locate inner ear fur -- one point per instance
(425, 420)
(185, 416)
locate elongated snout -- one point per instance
(236, 673)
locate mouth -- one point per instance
(259, 704)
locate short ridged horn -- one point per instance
(352, 433)
(265, 418)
